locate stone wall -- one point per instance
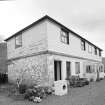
(50, 66)
(33, 70)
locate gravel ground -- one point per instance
(93, 94)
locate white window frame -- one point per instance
(89, 48)
(83, 45)
(18, 41)
(77, 67)
(64, 36)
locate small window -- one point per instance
(95, 50)
(83, 45)
(18, 41)
(89, 48)
(89, 69)
(99, 52)
(64, 36)
(77, 67)
(101, 68)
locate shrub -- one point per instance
(37, 93)
(22, 88)
(91, 79)
(48, 90)
(29, 93)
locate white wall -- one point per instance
(33, 40)
(46, 36)
(74, 47)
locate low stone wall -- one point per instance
(32, 70)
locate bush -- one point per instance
(48, 90)
(22, 88)
(91, 79)
(37, 93)
(29, 93)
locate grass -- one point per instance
(87, 95)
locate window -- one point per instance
(64, 36)
(68, 69)
(83, 45)
(89, 48)
(99, 52)
(88, 69)
(101, 68)
(77, 67)
(95, 49)
(18, 41)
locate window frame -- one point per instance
(77, 70)
(95, 50)
(89, 48)
(89, 69)
(64, 38)
(100, 53)
(83, 45)
(19, 39)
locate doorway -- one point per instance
(57, 70)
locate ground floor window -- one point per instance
(77, 67)
(57, 70)
(68, 69)
(101, 68)
(88, 69)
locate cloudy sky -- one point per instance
(86, 17)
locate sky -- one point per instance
(85, 17)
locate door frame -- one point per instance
(55, 70)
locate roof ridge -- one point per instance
(53, 20)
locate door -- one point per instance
(57, 70)
(68, 69)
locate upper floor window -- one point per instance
(18, 41)
(95, 50)
(90, 68)
(83, 45)
(64, 36)
(89, 48)
(99, 52)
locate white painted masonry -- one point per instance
(74, 48)
(33, 40)
(41, 46)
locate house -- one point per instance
(47, 51)
(3, 58)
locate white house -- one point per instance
(47, 51)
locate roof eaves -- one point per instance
(53, 20)
(27, 27)
(72, 32)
